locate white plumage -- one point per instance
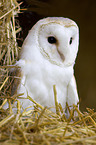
(47, 58)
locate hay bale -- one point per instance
(8, 44)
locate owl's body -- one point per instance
(39, 81)
(47, 58)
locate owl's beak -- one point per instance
(61, 55)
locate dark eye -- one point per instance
(51, 39)
(70, 40)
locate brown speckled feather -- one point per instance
(15, 75)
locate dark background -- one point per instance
(83, 12)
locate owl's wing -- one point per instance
(14, 74)
(18, 76)
(72, 97)
(14, 79)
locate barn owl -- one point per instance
(47, 58)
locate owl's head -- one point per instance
(56, 38)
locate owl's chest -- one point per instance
(43, 77)
(39, 81)
(48, 74)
